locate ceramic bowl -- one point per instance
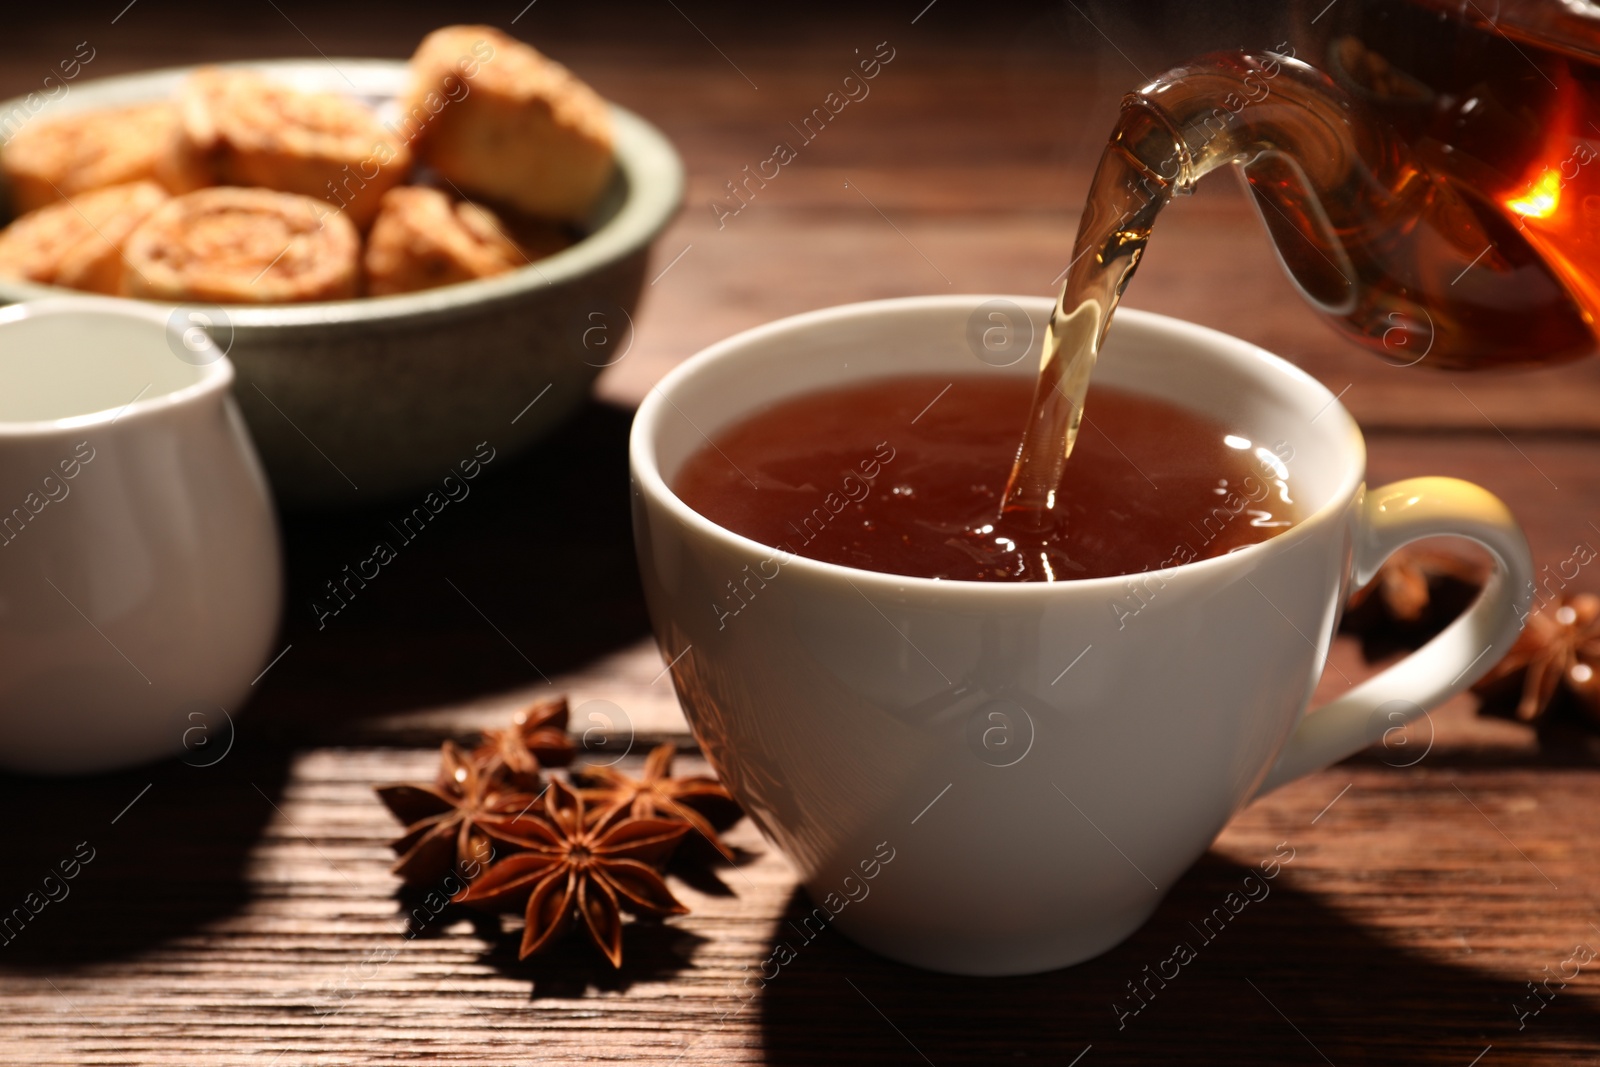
(356, 400)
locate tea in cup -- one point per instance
(1044, 759)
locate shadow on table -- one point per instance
(572, 966)
(153, 854)
(1288, 980)
(529, 574)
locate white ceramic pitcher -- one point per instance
(140, 569)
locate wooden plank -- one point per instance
(1415, 909)
(1209, 262)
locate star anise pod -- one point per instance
(572, 868)
(656, 794)
(536, 737)
(444, 821)
(1402, 584)
(1559, 650)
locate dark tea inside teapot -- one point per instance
(1429, 171)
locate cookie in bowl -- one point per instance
(59, 157)
(497, 119)
(243, 246)
(421, 240)
(239, 128)
(78, 242)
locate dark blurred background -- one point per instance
(186, 29)
(1020, 41)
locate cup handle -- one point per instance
(1462, 653)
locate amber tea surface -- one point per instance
(905, 475)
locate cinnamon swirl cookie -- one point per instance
(52, 158)
(237, 128)
(243, 246)
(78, 242)
(421, 240)
(499, 120)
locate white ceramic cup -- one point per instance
(140, 570)
(1040, 765)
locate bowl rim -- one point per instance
(650, 166)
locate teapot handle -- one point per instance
(1392, 516)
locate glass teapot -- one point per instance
(1429, 170)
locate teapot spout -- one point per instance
(1396, 249)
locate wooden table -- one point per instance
(242, 912)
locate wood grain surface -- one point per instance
(242, 913)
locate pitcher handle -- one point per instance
(1462, 653)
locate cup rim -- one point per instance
(214, 375)
(1215, 343)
